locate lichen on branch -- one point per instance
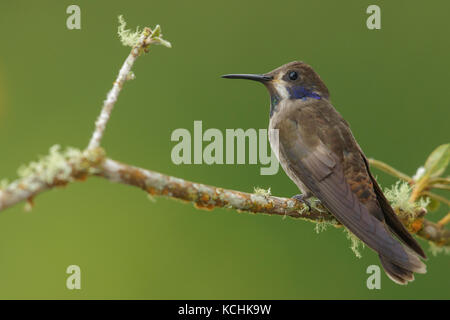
(131, 38)
(58, 168)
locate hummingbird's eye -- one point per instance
(293, 75)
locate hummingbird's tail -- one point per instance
(405, 273)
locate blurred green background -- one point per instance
(391, 85)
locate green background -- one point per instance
(390, 84)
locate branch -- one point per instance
(113, 95)
(56, 169)
(140, 42)
(390, 170)
(208, 197)
(435, 232)
(437, 197)
(444, 220)
(94, 163)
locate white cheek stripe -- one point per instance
(281, 90)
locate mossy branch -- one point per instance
(140, 42)
(93, 162)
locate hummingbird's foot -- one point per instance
(303, 198)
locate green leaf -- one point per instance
(438, 161)
(157, 31)
(162, 42)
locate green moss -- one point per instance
(128, 37)
(355, 243)
(262, 192)
(314, 203)
(399, 194)
(131, 38)
(321, 226)
(56, 165)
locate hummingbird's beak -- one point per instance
(255, 77)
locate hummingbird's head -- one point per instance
(294, 80)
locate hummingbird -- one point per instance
(318, 152)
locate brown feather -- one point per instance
(319, 152)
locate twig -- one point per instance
(440, 180)
(436, 197)
(111, 98)
(390, 170)
(444, 220)
(435, 233)
(440, 186)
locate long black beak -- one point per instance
(255, 77)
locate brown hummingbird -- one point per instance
(318, 151)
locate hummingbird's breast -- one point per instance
(283, 110)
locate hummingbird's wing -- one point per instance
(322, 167)
(390, 217)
